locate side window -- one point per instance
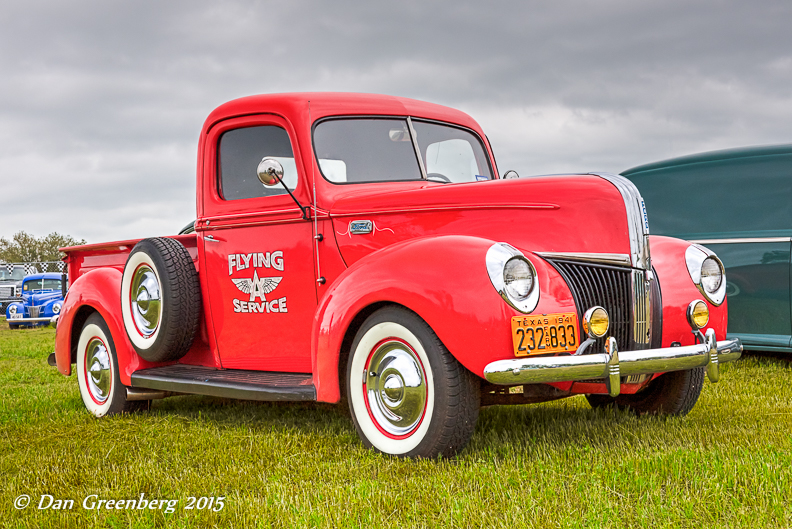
(238, 155)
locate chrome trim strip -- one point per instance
(744, 240)
(637, 219)
(534, 370)
(620, 259)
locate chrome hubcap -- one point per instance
(395, 387)
(98, 375)
(146, 303)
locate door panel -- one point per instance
(261, 286)
(258, 250)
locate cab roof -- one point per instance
(714, 156)
(323, 104)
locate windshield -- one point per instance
(451, 154)
(16, 273)
(41, 284)
(357, 150)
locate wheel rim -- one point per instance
(145, 300)
(98, 373)
(395, 388)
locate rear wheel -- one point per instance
(97, 371)
(407, 394)
(673, 393)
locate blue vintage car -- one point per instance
(42, 299)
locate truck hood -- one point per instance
(580, 214)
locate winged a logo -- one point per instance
(257, 287)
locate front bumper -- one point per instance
(612, 364)
(48, 319)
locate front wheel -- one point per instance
(673, 393)
(407, 394)
(97, 371)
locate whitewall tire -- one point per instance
(407, 394)
(97, 371)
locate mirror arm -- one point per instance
(303, 209)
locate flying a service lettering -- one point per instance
(258, 286)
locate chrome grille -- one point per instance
(34, 311)
(6, 292)
(621, 291)
(641, 308)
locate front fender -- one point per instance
(678, 290)
(442, 279)
(19, 306)
(98, 290)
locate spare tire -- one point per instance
(160, 299)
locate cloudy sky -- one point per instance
(101, 101)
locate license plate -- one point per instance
(17, 316)
(546, 333)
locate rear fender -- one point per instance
(98, 290)
(442, 279)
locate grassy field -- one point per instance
(728, 464)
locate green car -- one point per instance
(687, 198)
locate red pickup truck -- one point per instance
(363, 249)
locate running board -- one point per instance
(229, 383)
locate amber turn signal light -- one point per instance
(697, 314)
(596, 322)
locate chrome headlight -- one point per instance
(513, 276)
(707, 272)
(56, 308)
(12, 309)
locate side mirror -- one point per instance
(508, 175)
(270, 171)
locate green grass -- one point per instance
(727, 464)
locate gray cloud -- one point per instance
(102, 101)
